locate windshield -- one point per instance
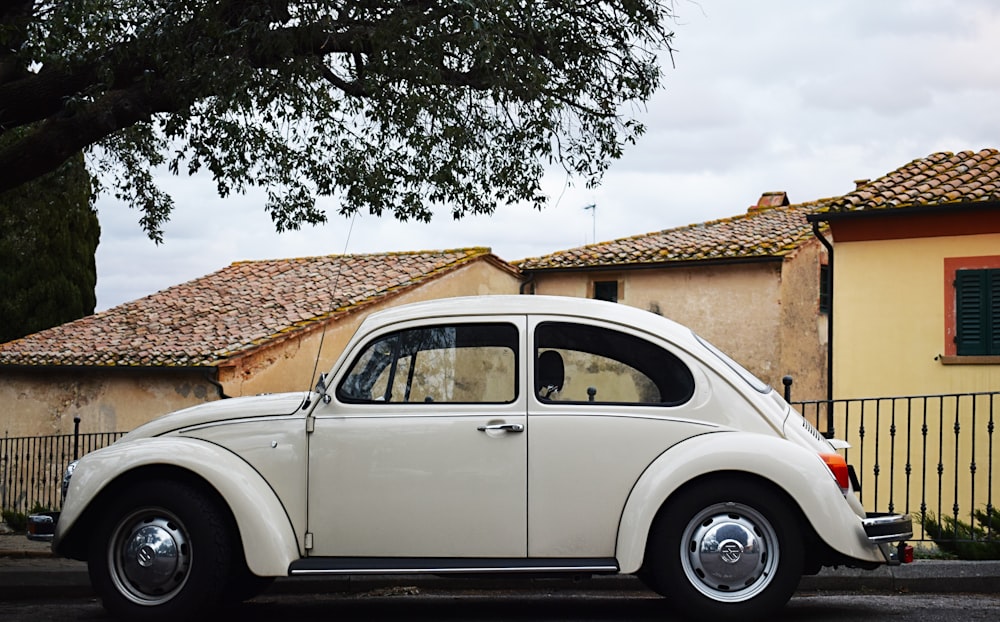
(758, 385)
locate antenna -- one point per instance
(333, 288)
(593, 218)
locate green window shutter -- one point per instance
(993, 310)
(977, 312)
(970, 324)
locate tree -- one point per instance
(391, 107)
(48, 235)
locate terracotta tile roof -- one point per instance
(227, 313)
(943, 178)
(764, 231)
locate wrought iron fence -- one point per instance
(32, 467)
(932, 456)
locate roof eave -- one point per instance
(660, 265)
(902, 210)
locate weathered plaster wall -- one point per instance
(44, 401)
(803, 330)
(735, 306)
(41, 404)
(288, 365)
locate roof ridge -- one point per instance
(469, 250)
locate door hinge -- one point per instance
(309, 541)
(310, 424)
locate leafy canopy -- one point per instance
(387, 106)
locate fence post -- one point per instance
(787, 381)
(76, 437)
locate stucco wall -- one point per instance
(288, 365)
(889, 318)
(803, 330)
(738, 307)
(45, 401)
(41, 404)
(889, 335)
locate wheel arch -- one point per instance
(795, 473)
(265, 532)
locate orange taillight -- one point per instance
(838, 466)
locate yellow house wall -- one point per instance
(889, 318)
(889, 335)
(739, 307)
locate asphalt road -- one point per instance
(411, 604)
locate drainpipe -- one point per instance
(212, 375)
(528, 285)
(829, 332)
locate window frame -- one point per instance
(383, 336)
(952, 267)
(541, 323)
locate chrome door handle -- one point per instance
(501, 427)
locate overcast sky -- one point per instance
(766, 95)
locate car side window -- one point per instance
(450, 363)
(583, 363)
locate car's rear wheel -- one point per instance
(162, 551)
(726, 549)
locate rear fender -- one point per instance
(269, 541)
(800, 473)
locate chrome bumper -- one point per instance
(886, 529)
(42, 527)
(881, 527)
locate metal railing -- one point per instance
(932, 456)
(32, 467)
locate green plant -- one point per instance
(963, 540)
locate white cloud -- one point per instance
(767, 95)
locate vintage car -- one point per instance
(525, 434)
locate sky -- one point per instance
(763, 95)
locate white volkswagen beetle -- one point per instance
(496, 434)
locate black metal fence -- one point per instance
(932, 456)
(32, 467)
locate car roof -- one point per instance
(531, 304)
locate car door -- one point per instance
(422, 452)
(608, 401)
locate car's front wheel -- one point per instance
(726, 549)
(162, 551)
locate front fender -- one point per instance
(800, 472)
(269, 541)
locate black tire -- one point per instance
(726, 549)
(243, 584)
(163, 550)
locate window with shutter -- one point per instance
(977, 312)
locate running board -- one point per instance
(449, 565)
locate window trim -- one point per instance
(951, 267)
(619, 290)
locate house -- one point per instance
(916, 312)
(917, 279)
(750, 283)
(252, 327)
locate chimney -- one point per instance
(770, 199)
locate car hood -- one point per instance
(222, 410)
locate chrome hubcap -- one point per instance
(150, 557)
(729, 552)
